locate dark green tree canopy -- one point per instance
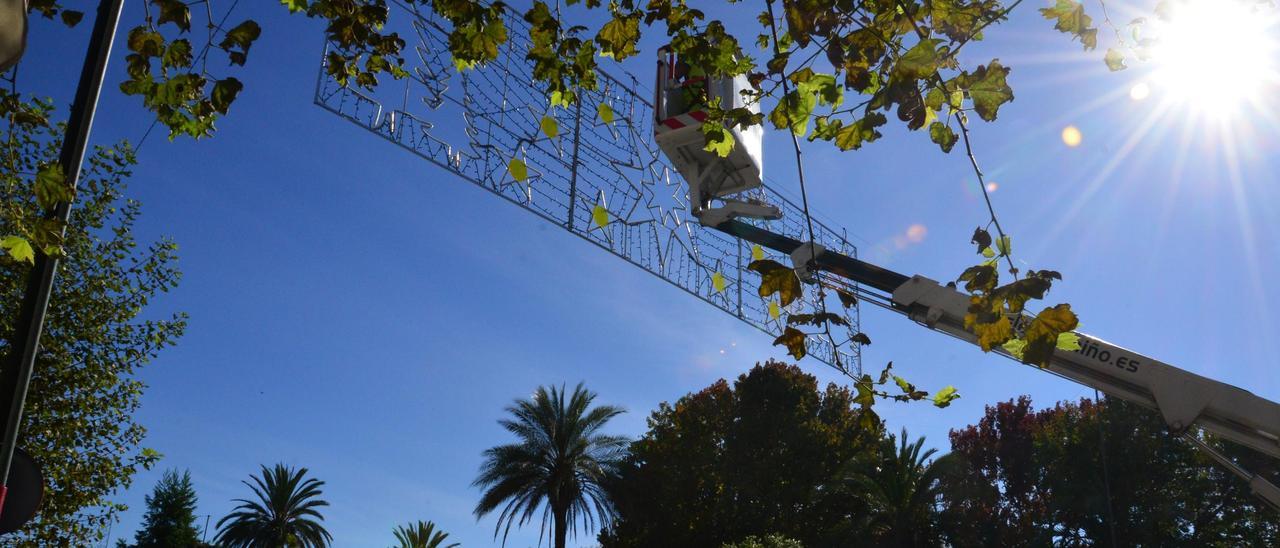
(170, 521)
(751, 458)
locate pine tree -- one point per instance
(171, 514)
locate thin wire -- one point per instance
(1106, 475)
(204, 53)
(804, 195)
(964, 132)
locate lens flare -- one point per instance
(1139, 91)
(1215, 55)
(1071, 136)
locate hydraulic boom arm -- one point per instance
(1183, 398)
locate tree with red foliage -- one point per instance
(1093, 473)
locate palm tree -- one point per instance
(283, 516)
(559, 463)
(421, 535)
(901, 492)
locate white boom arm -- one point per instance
(1183, 399)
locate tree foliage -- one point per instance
(285, 512)
(766, 541)
(78, 422)
(1024, 477)
(170, 521)
(422, 534)
(758, 457)
(559, 464)
(900, 486)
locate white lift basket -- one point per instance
(679, 112)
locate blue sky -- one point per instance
(362, 313)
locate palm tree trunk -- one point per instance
(561, 526)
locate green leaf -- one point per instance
(618, 37)
(224, 93)
(942, 134)
(174, 11)
(982, 238)
(719, 140)
(989, 89)
(1004, 246)
(605, 112)
(1069, 341)
(19, 248)
(149, 457)
(560, 99)
(988, 252)
(902, 383)
(1069, 17)
(794, 110)
(176, 55)
(237, 41)
(854, 135)
(1115, 60)
(549, 127)
(920, 62)
(145, 43)
(518, 170)
(794, 340)
(1015, 347)
(294, 6)
(944, 397)
(822, 86)
(51, 186)
(71, 18)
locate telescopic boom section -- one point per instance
(1183, 399)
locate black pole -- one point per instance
(16, 374)
(859, 271)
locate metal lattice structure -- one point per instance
(494, 113)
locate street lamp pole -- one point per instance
(15, 377)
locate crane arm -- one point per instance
(1182, 398)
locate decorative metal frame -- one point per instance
(496, 111)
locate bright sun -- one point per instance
(1216, 55)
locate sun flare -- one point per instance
(1216, 56)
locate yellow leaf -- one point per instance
(1044, 331)
(793, 339)
(757, 252)
(990, 335)
(1069, 341)
(775, 278)
(19, 248)
(774, 311)
(600, 215)
(717, 282)
(518, 170)
(605, 112)
(561, 99)
(550, 127)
